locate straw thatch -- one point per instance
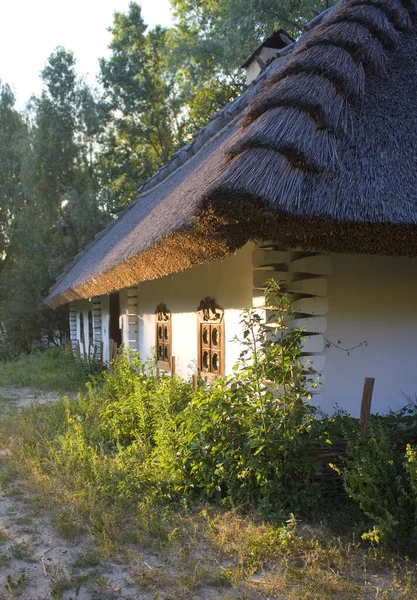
(320, 152)
(348, 92)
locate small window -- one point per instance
(210, 339)
(163, 336)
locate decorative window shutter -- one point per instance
(73, 326)
(97, 338)
(163, 337)
(211, 350)
(131, 320)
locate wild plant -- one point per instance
(248, 438)
(381, 478)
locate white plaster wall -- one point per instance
(253, 69)
(374, 299)
(228, 281)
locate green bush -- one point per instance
(381, 479)
(250, 438)
(138, 405)
(116, 436)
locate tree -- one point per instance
(220, 34)
(62, 208)
(12, 129)
(145, 117)
(212, 38)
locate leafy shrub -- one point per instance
(138, 405)
(250, 437)
(382, 481)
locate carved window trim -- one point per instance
(163, 337)
(211, 348)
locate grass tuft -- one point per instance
(52, 369)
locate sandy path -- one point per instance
(11, 397)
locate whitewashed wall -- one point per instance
(349, 298)
(372, 299)
(228, 281)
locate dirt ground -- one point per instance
(36, 563)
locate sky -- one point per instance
(31, 29)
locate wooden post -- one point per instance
(77, 350)
(101, 353)
(368, 388)
(194, 383)
(173, 366)
(158, 374)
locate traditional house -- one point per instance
(310, 176)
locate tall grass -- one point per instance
(51, 369)
(104, 463)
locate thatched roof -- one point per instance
(319, 152)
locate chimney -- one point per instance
(264, 53)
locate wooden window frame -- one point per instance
(163, 337)
(211, 347)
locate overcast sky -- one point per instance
(31, 29)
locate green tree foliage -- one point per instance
(212, 38)
(12, 130)
(77, 156)
(61, 209)
(145, 124)
(222, 33)
(60, 159)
